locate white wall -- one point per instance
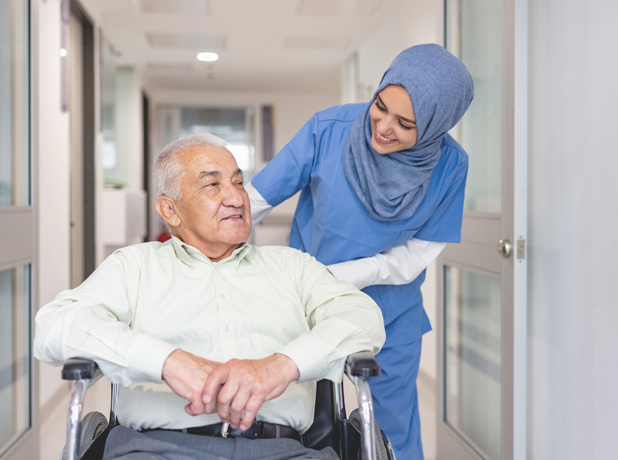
(573, 217)
(412, 22)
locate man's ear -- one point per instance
(166, 208)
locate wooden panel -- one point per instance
(472, 255)
(484, 229)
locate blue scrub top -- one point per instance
(331, 223)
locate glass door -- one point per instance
(481, 384)
(17, 437)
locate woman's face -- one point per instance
(392, 120)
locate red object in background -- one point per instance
(163, 237)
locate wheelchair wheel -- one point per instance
(93, 424)
(381, 449)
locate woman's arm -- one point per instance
(399, 265)
(259, 206)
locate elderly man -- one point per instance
(206, 329)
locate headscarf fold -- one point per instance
(392, 186)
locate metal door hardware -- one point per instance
(504, 248)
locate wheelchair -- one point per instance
(357, 437)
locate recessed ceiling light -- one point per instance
(207, 57)
(63, 52)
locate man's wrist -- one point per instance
(289, 367)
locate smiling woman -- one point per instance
(392, 120)
(382, 193)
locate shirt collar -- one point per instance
(189, 255)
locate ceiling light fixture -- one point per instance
(63, 52)
(207, 57)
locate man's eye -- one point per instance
(212, 184)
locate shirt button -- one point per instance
(227, 329)
(223, 296)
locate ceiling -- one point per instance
(263, 45)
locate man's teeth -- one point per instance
(385, 139)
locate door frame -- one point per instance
(512, 225)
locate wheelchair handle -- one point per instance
(362, 364)
(79, 369)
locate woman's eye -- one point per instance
(404, 126)
(380, 108)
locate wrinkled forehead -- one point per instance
(195, 160)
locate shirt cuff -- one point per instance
(306, 352)
(146, 356)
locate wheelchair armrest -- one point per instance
(79, 369)
(362, 364)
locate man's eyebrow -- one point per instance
(209, 174)
(237, 172)
(398, 116)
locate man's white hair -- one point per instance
(167, 169)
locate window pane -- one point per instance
(474, 34)
(114, 168)
(472, 371)
(14, 354)
(14, 182)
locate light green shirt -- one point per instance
(147, 300)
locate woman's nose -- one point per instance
(384, 125)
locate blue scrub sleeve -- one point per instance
(290, 170)
(444, 225)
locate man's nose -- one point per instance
(233, 196)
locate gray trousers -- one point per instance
(126, 444)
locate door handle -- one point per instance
(505, 248)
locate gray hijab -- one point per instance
(392, 186)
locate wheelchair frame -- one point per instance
(358, 367)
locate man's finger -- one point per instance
(211, 407)
(251, 410)
(238, 405)
(226, 396)
(196, 404)
(216, 378)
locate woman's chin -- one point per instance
(380, 148)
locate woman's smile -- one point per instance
(381, 139)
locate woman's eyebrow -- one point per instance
(398, 116)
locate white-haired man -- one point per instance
(206, 329)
